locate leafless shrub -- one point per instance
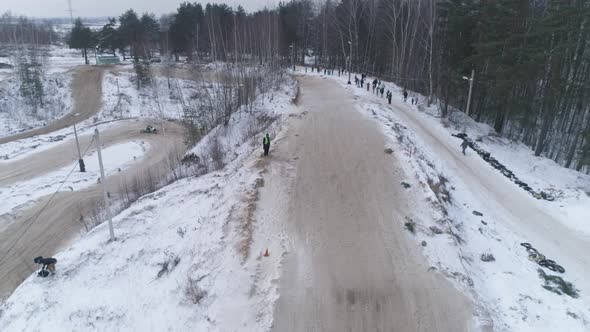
(216, 155)
(190, 159)
(439, 189)
(410, 226)
(194, 129)
(92, 215)
(181, 231)
(192, 292)
(487, 257)
(130, 190)
(176, 165)
(168, 265)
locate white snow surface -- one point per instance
(121, 99)
(199, 226)
(25, 147)
(116, 158)
(507, 293)
(16, 115)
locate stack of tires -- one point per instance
(537, 257)
(502, 169)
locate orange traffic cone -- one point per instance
(266, 254)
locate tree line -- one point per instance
(214, 32)
(532, 60)
(530, 57)
(22, 30)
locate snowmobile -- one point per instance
(149, 130)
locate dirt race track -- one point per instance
(59, 221)
(352, 266)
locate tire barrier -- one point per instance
(537, 257)
(502, 169)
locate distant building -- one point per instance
(107, 60)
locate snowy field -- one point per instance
(121, 99)
(507, 288)
(59, 59)
(186, 258)
(119, 157)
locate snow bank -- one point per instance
(118, 157)
(245, 124)
(179, 262)
(507, 293)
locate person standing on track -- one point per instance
(464, 145)
(405, 95)
(266, 144)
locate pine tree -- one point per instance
(81, 38)
(108, 38)
(150, 33)
(130, 32)
(186, 30)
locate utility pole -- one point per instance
(103, 180)
(80, 160)
(470, 90)
(468, 97)
(349, 61)
(292, 47)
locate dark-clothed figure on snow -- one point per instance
(464, 145)
(266, 144)
(47, 263)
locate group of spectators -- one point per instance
(379, 87)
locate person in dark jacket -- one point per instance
(405, 95)
(47, 263)
(266, 144)
(464, 145)
(389, 95)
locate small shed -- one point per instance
(107, 60)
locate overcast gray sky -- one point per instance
(94, 8)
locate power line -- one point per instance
(45, 206)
